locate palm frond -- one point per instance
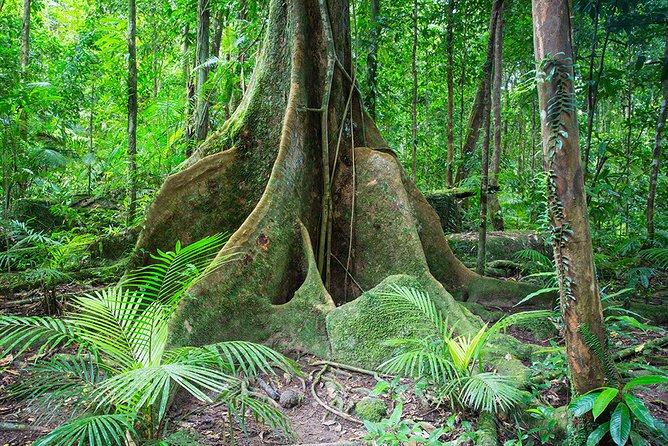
(173, 272)
(103, 320)
(93, 430)
(658, 256)
(490, 392)
(252, 359)
(240, 403)
(20, 333)
(62, 382)
(153, 385)
(406, 301)
(420, 359)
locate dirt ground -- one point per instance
(338, 388)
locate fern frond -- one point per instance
(601, 352)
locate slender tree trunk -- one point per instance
(25, 60)
(202, 111)
(154, 42)
(590, 87)
(189, 121)
(372, 60)
(533, 138)
(132, 110)
(592, 91)
(658, 144)
(494, 206)
(572, 245)
(484, 187)
(462, 85)
(91, 149)
(415, 90)
(451, 92)
(477, 110)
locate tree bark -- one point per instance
(372, 60)
(572, 245)
(132, 110)
(202, 110)
(25, 60)
(189, 121)
(415, 91)
(477, 110)
(299, 151)
(451, 92)
(494, 207)
(658, 143)
(484, 187)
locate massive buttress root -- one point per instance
(260, 178)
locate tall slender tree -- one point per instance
(478, 108)
(415, 91)
(572, 245)
(372, 60)
(202, 110)
(451, 93)
(658, 142)
(132, 110)
(494, 207)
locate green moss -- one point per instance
(540, 328)
(371, 409)
(658, 314)
(358, 331)
(484, 313)
(485, 434)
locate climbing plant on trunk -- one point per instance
(571, 239)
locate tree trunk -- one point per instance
(132, 110)
(25, 60)
(415, 91)
(592, 89)
(658, 143)
(154, 38)
(477, 110)
(189, 122)
(202, 111)
(451, 92)
(300, 169)
(494, 207)
(372, 60)
(572, 245)
(484, 187)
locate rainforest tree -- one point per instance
(319, 207)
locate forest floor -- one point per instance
(337, 387)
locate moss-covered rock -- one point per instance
(371, 409)
(500, 245)
(541, 328)
(485, 434)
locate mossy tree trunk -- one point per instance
(299, 170)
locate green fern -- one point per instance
(601, 352)
(658, 257)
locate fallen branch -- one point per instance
(324, 405)
(631, 351)
(4, 426)
(352, 368)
